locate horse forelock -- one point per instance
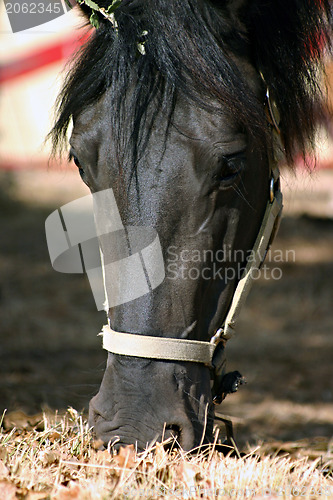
(190, 48)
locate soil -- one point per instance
(51, 357)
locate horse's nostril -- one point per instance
(172, 435)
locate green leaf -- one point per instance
(141, 48)
(91, 4)
(115, 4)
(94, 21)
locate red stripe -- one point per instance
(38, 59)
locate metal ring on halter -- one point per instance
(271, 190)
(217, 337)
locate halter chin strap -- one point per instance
(210, 353)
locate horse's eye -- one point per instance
(76, 161)
(230, 168)
(78, 164)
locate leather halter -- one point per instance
(211, 353)
(145, 346)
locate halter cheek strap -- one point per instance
(267, 232)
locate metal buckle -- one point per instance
(217, 337)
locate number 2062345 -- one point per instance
(34, 8)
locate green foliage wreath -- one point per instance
(96, 9)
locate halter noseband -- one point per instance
(211, 353)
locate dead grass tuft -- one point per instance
(56, 458)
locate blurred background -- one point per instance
(50, 356)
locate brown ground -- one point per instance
(51, 357)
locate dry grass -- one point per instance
(57, 459)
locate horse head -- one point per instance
(171, 112)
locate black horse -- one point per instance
(175, 105)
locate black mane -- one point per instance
(189, 49)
